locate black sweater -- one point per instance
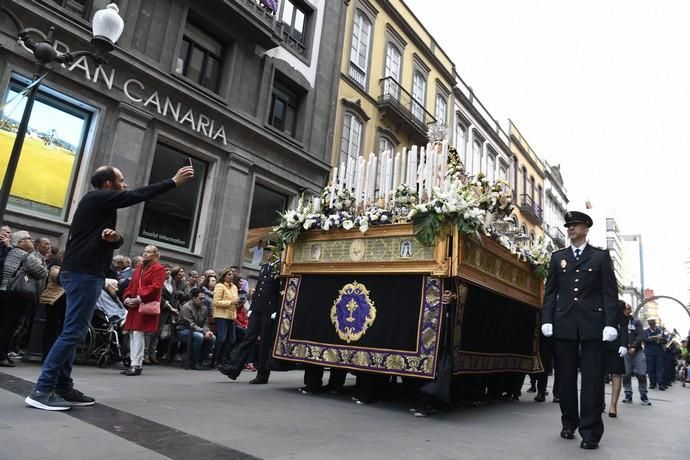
(86, 252)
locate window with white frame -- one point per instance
(502, 171)
(351, 138)
(359, 49)
(461, 143)
(491, 167)
(418, 95)
(476, 157)
(392, 71)
(441, 108)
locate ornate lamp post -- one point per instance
(107, 29)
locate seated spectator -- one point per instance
(194, 319)
(15, 306)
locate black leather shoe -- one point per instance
(540, 397)
(256, 381)
(6, 363)
(567, 434)
(132, 371)
(556, 399)
(591, 445)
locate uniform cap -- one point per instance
(577, 217)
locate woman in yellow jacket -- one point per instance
(225, 301)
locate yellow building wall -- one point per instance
(376, 73)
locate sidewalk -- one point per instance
(173, 413)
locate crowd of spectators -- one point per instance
(213, 310)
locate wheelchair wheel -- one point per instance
(104, 359)
(86, 347)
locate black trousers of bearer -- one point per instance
(590, 355)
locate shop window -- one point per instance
(284, 108)
(295, 19)
(200, 57)
(266, 205)
(172, 218)
(52, 151)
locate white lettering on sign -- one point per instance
(136, 91)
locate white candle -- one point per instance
(396, 172)
(403, 167)
(372, 179)
(387, 181)
(316, 203)
(365, 198)
(341, 177)
(412, 170)
(335, 176)
(420, 174)
(444, 159)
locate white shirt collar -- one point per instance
(581, 248)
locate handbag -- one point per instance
(150, 308)
(24, 285)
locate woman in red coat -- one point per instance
(146, 285)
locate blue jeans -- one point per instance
(82, 291)
(200, 347)
(225, 339)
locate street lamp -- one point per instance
(107, 28)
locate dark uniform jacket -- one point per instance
(580, 296)
(267, 291)
(653, 347)
(622, 339)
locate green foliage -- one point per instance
(426, 226)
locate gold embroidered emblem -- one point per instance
(564, 263)
(353, 312)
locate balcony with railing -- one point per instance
(397, 103)
(259, 19)
(557, 236)
(530, 209)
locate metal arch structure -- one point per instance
(686, 308)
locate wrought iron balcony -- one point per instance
(397, 103)
(530, 209)
(557, 236)
(259, 19)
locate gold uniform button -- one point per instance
(576, 289)
(577, 271)
(590, 269)
(577, 280)
(575, 299)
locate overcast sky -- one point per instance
(601, 87)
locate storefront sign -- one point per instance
(137, 92)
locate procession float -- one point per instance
(366, 263)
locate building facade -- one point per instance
(483, 146)
(528, 185)
(394, 81)
(555, 206)
(244, 91)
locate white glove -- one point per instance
(273, 316)
(622, 351)
(547, 329)
(609, 334)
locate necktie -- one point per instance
(577, 253)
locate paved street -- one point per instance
(172, 413)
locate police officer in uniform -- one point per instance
(265, 303)
(580, 299)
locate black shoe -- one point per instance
(257, 381)
(75, 397)
(532, 389)
(132, 371)
(46, 400)
(627, 400)
(332, 389)
(306, 390)
(556, 399)
(589, 445)
(567, 434)
(6, 363)
(662, 388)
(196, 367)
(652, 387)
(540, 397)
